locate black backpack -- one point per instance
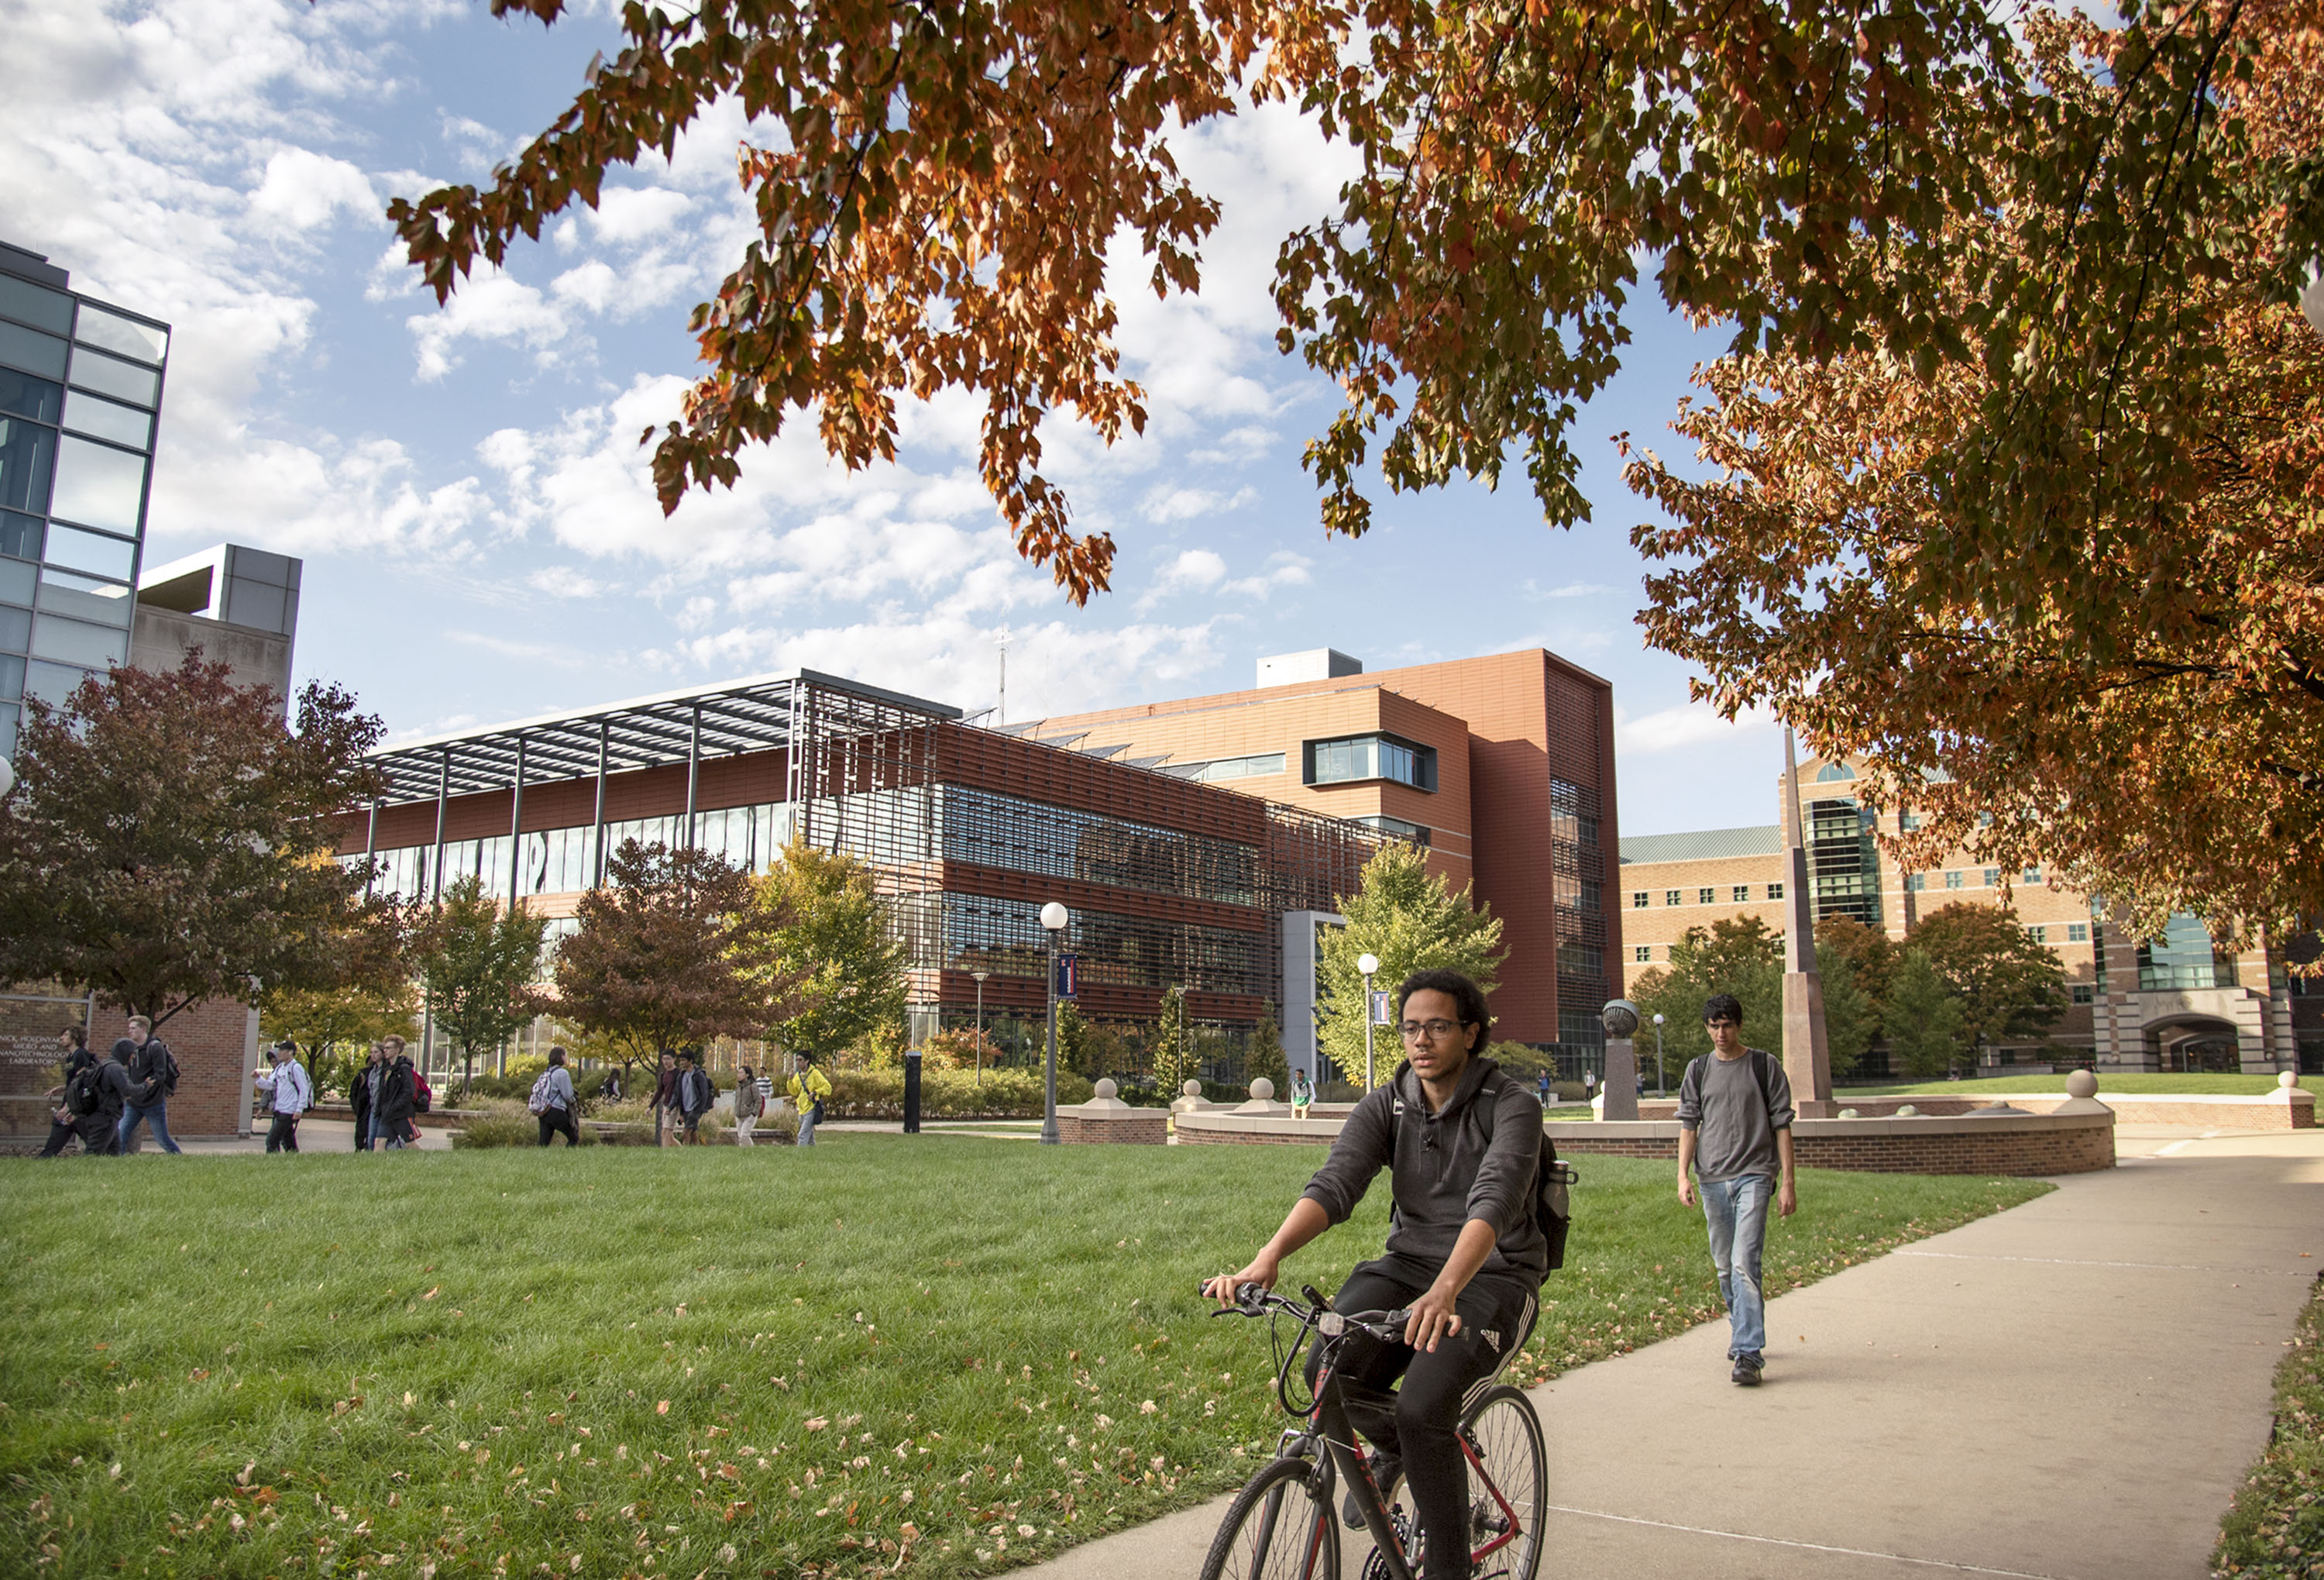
(1553, 1181)
(84, 1093)
(169, 1072)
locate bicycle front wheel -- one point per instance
(1276, 1529)
(1509, 1486)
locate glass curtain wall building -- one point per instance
(80, 394)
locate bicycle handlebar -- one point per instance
(1254, 1300)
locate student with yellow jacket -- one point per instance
(808, 1087)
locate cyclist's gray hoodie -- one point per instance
(1475, 1158)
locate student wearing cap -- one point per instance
(289, 1092)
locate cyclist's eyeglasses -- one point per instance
(1434, 1031)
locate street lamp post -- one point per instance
(1367, 963)
(1054, 918)
(979, 976)
(1658, 1056)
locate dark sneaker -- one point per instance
(1386, 1474)
(1746, 1371)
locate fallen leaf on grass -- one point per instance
(662, 1408)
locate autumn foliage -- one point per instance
(2061, 592)
(938, 185)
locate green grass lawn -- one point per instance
(632, 1361)
(2276, 1530)
(2129, 1082)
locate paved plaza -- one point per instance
(2070, 1390)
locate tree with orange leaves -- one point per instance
(2064, 593)
(937, 184)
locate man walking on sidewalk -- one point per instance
(1735, 1133)
(153, 1071)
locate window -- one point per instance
(2032, 875)
(146, 342)
(1706, 896)
(1394, 827)
(109, 375)
(1742, 894)
(1638, 900)
(40, 354)
(1993, 877)
(1953, 880)
(1908, 821)
(1359, 757)
(1916, 882)
(1831, 772)
(1670, 897)
(27, 457)
(1210, 773)
(95, 552)
(1643, 953)
(98, 485)
(2077, 932)
(1575, 959)
(1775, 890)
(2083, 993)
(2037, 932)
(1577, 893)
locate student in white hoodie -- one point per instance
(290, 1093)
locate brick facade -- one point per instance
(1137, 1127)
(2065, 1145)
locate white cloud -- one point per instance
(1573, 590)
(490, 306)
(302, 190)
(1164, 504)
(562, 581)
(1676, 729)
(631, 214)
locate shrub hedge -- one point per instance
(1006, 1094)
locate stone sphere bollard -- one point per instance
(1908, 1112)
(1849, 1113)
(2081, 1084)
(1191, 1089)
(1106, 1088)
(2289, 1079)
(1262, 1090)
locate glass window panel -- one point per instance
(27, 396)
(109, 375)
(83, 597)
(7, 732)
(108, 420)
(145, 342)
(21, 535)
(52, 683)
(32, 351)
(15, 628)
(91, 551)
(17, 578)
(98, 485)
(12, 677)
(73, 642)
(28, 455)
(35, 304)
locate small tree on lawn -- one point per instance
(1412, 921)
(170, 840)
(1265, 1061)
(2007, 984)
(480, 967)
(1174, 1049)
(1924, 1019)
(673, 950)
(1742, 956)
(831, 952)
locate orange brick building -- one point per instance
(1501, 767)
(2174, 1003)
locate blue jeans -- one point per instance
(1737, 1212)
(806, 1124)
(156, 1114)
(381, 1136)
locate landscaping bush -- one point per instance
(504, 1122)
(1011, 1094)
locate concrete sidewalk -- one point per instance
(2069, 1390)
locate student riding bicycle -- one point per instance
(1463, 1142)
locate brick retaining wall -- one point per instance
(1137, 1127)
(2265, 1110)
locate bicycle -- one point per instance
(1267, 1535)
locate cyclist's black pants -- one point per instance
(1497, 1311)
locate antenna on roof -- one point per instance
(1001, 712)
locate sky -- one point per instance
(477, 522)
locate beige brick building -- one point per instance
(2175, 1003)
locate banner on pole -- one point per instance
(1382, 1009)
(1068, 974)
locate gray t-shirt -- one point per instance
(1735, 1107)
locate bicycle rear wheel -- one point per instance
(1509, 1502)
(1276, 1529)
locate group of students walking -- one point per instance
(684, 1093)
(104, 1099)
